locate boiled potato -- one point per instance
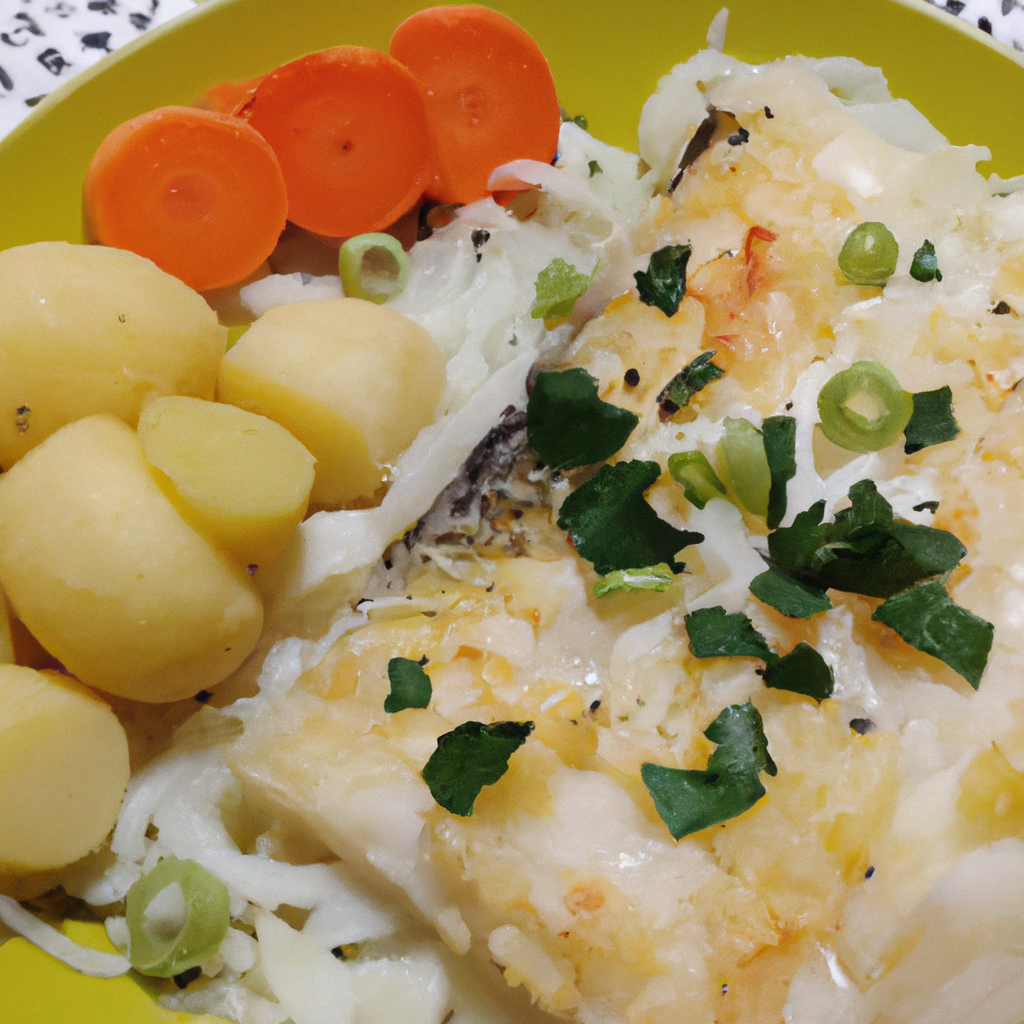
(6, 636)
(240, 479)
(353, 381)
(63, 770)
(110, 578)
(85, 329)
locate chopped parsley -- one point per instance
(410, 686)
(567, 425)
(802, 671)
(779, 436)
(689, 801)
(930, 620)
(693, 377)
(865, 551)
(471, 756)
(652, 577)
(594, 167)
(715, 634)
(932, 421)
(558, 286)
(924, 266)
(614, 528)
(788, 595)
(663, 283)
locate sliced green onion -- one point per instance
(373, 266)
(177, 916)
(869, 254)
(743, 448)
(864, 409)
(699, 481)
(234, 333)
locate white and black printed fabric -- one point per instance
(43, 43)
(1001, 19)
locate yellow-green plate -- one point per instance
(606, 56)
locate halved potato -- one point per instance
(63, 770)
(240, 479)
(85, 329)
(353, 381)
(109, 577)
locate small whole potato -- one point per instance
(63, 771)
(86, 329)
(353, 381)
(109, 577)
(240, 479)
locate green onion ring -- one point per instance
(373, 266)
(163, 952)
(847, 428)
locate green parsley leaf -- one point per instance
(558, 286)
(693, 377)
(663, 283)
(652, 577)
(594, 167)
(715, 634)
(410, 686)
(614, 528)
(689, 801)
(932, 421)
(471, 756)
(802, 671)
(699, 481)
(924, 266)
(865, 551)
(788, 595)
(779, 436)
(567, 425)
(930, 620)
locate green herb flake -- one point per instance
(567, 425)
(694, 473)
(594, 167)
(663, 283)
(558, 286)
(689, 801)
(652, 577)
(924, 266)
(802, 671)
(471, 756)
(927, 618)
(932, 421)
(779, 436)
(693, 377)
(788, 595)
(410, 686)
(865, 551)
(614, 528)
(715, 634)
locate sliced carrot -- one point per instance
(229, 97)
(349, 127)
(199, 193)
(489, 91)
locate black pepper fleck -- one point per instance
(594, 706)
(870, 871)
(120, 318)
(186, 978)
(631, 377)
(741, 136)
(861, 725)
(423, 661)
(1001, 308)
(252, 568)
(203, 696)
(768, 113)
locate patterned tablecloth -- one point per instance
(45, 42)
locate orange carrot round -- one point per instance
(229, 97)
(349, 127)
(199, 193)
(489, 92)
